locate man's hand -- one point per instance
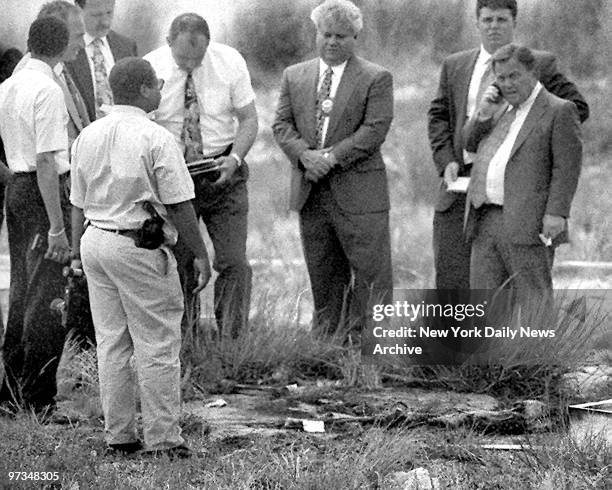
(552, 225)
(490, 103)
(451, 172)
(317, 163)
(58, 249)
(202, 266)
(227, 167)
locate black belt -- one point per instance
(128, 233)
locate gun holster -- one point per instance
(151, 234)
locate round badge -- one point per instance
(327, 106)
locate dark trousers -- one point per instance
(224, 211)
(451, 250)
(495, 260)
(348, 257)
(34, 337)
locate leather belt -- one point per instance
(128, 233)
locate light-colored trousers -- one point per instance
(136, 305)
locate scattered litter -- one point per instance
(220, 402)
(313, 425)
(294, 388)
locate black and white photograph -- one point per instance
(306, 244)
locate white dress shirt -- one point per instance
(33, 117)
(482, 62)
(223, 84)
(109, 59)
(337, 72)
(123, 160)
(497, 165)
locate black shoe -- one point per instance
(177, 452)
(124, 449)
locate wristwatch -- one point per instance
(236, 157)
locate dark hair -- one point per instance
(58, 8)
(8, 61)
(497, 5)
(48, 36)
(128, 76)
(189, 22)
(522, 54)
(81, 3)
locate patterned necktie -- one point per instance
(323, 107)
(102, 87)
(191, 134)
(486, 151)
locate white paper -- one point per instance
(459, 185)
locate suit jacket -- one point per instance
(448, 110)
(543, 169)
(359, 122)
(120, 46)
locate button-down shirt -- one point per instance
(497, 166)
(223, 84)
(122, 160)
(33, 117)
(337, 72)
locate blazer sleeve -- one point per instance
(557, 84)
(474, 131)
(284, 126)
(439, 126)
(566, 147)
(372, 131)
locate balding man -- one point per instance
(208, 104)
(333, 115)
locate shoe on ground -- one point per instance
(124, 449)
(177, 452)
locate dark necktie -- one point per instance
(486, 151)
(324, 106)
(191, 134)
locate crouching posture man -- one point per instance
(129, 180)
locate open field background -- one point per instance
(410, 38)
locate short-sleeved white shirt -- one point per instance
(33, 117)
(122, 160)
(222, 83)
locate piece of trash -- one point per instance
(216, 403)
(546, 240)
(505, 447)
(292, 388)
(313, 425)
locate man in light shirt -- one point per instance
(33, 127)
(103, 47)
(528, 157)
(208, 104)
(332, 117)
(463, 78)
(121, 164)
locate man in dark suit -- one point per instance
(332, 117)
(103, 47)
(526, 169)
(463, 78)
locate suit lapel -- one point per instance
(116, 47)
(345, 89)
(531, 121)
(463, 80)
(308, 87)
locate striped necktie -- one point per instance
(324, 106)
(486, 151)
